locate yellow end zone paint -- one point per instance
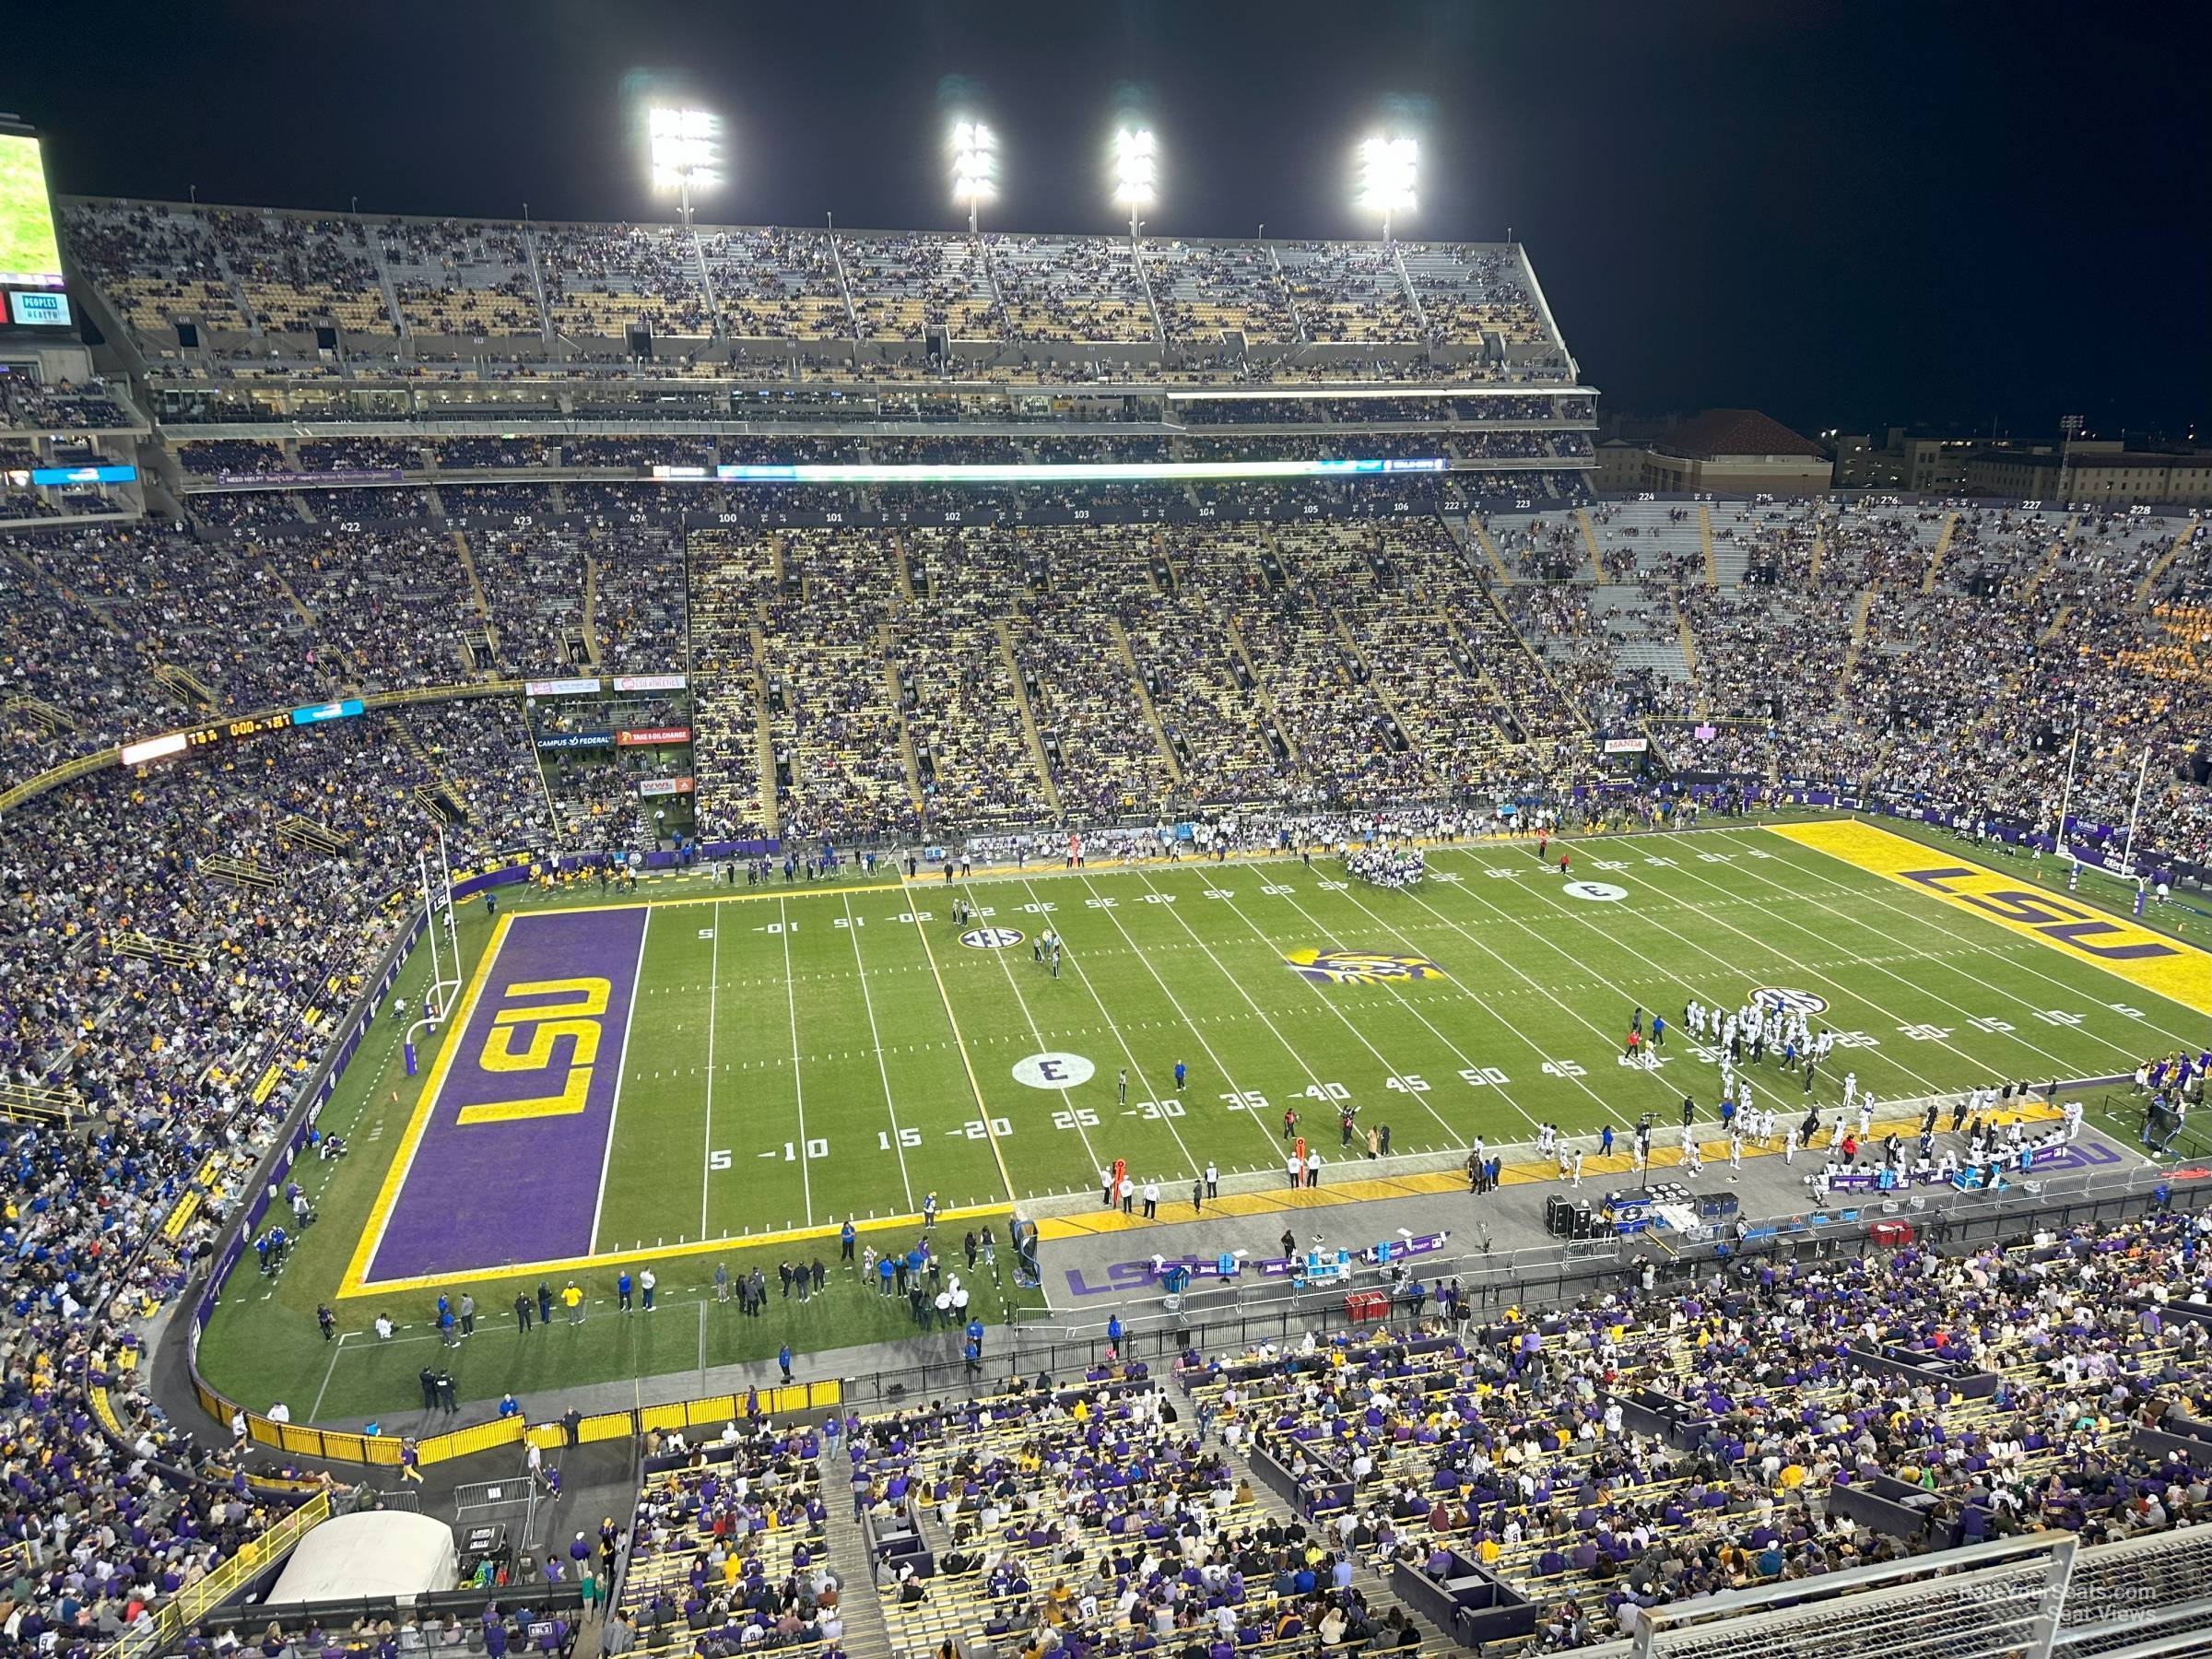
(2147, 961)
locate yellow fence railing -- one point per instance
(382, 1450)
(185, 1608)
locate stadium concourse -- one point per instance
(489, 542)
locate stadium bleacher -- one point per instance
(881, 664)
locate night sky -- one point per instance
(1847, 214)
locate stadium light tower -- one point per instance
(975, 166)
(1387, 167)
(1136, 172)
(685, 152)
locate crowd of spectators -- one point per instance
(422, 296)
(1934, 655)
(32, 406)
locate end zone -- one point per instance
(2147, 961)
(501, 1159)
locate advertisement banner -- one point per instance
(642, 737)
(577, 740)
(561, 687)
(1626, 746)
(347, 475)
(649, 682)
(664, 786)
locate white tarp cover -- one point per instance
(381, 1552)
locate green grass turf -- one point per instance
(838, 1020)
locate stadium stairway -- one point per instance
(1943, 548)
(591, 608)
(2157, 574)
(469, 569)
(1372, 1585)
(291, 596)
(910, 758)
(901, 565)
(1143, 698)
(1597, 562)
(1489, 549)
(764, 735)
(1028, 719)
(866, 1635)
(1259, 689)
(2043, 571)
(1712, 561)
(1689, 637)
(1858, 635)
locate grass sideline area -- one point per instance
(864, 1054)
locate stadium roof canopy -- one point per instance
(1718, 432)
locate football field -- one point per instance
(681, 1074)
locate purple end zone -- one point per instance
(485, 1192)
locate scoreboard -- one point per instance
(225, 731)
(31, 285)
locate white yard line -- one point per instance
(1313, 1077)
(1452, 1137)
(1779, 914)
(1205, 1047)
(1820, 872)
(1464, 990)
(1607, 1039)
(876, 1037)
(1037, 1036)
(798, 1085)
(706, 1168)
(1735, 969)
(329, 1370)
(613, 1111)
(1129, 1054)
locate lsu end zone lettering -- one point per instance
(2149, 961)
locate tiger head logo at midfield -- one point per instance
(1359, 967)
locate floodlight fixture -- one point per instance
(685, 151)
(1387, 169)
(1136, 172)
(975, 166)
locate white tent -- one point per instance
(378, 1553)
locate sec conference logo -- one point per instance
(1788, 1000)
(990, 938)
(1359, 967)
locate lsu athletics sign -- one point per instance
(2135, 954)
(1359, 967)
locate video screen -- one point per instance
(30, 254)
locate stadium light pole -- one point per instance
(1136, 172)
(685, 153)
(975, 166)
(2070, 427)
(1387, 169)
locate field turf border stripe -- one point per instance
(355, 1281)
(569, 1266)
(613, 1111)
